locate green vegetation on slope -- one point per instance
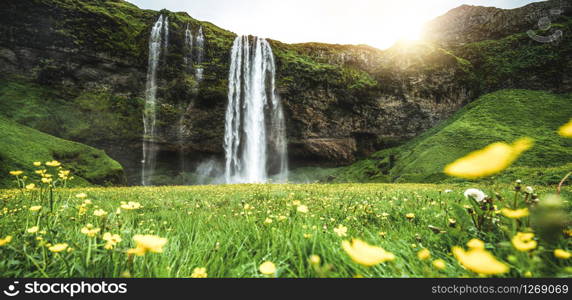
(82, 118)
(21, 146)
(501, 116)
(517, 61)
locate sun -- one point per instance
(410, 31)
(399, 22)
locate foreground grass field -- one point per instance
(291, 230)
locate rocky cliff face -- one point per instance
(469, 24)
(341, 102)
(525, 48)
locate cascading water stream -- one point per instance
(200, 54)
(166, 39)
(156, 43)
(188, 60)
(193, 59)
(255, 135)
(189, 46)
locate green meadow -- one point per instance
(231, 230)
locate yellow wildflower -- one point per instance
(16, 173)
(46, 180)
(30, 186)
(111, 240)
(268, 221)
(562, 254)
(267, 268)
(64, 174)
(35, 208)
(439, 264)
(199, 273)
(515, 214)
(476, 244)
(33, 229)
(566, 130)
(410, 216)
(81, 195)
(488, 161)
(302, 209)
(53, 163)
(131, 205)
(479, 261)
(89, 230)
(423, 254)
(528, 274)
(99, 213)
(315, 259)
(341, 230)
(365, 254)
(58, 247)
(5, 240)
(524, 241)
(82, 209)
(147, 243)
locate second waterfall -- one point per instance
(255, 132)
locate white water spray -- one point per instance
(255, 135)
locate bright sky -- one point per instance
(378, 23)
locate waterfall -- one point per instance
(156, 42)
(189, 46)
(255, 135)
(193, 59)
(200, 54)
(166, 40)
(188, 60)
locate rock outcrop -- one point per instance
(469, 24)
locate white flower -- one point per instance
(529, 190)
(475, 194)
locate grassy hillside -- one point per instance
(501, 116)
(517, 61)
(22, 145)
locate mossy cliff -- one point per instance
(76, 69)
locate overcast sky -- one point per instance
(378, 23)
